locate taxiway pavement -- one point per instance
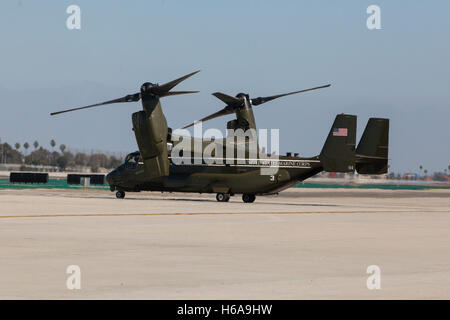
(304, 243)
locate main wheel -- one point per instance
(221, 197)
(248, 198)
(227, 197)
(120, 194)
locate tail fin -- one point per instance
(372, 151)
(338, 152)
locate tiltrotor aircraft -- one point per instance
(153, 168)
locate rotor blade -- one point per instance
(261, 100)
(174, 93)
(128, 98)
(220, 113)
(164, 88)
(229, 100)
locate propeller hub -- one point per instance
(243, 96)
(147, 86)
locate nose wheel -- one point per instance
(223, 197)
(120, 194)
(248, 198)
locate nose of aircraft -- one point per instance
(111, 177)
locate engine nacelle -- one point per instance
(151, 135)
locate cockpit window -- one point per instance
(132, 160)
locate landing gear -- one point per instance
(223, 197)
(120, 194)
(248, 198)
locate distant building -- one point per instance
(409, 176)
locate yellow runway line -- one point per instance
(215, 213)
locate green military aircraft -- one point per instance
(153, 168)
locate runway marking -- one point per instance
(215, 213)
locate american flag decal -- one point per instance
(340, 132)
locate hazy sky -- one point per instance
(401, 72)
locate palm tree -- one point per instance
(52, 144)
(62, 148)
(3, 152)
(425, 171)
(36, 145)
(17, 146)
(26, 146)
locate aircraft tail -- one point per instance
(338, 152)
(372, 151)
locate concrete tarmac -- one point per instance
(302, 244)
